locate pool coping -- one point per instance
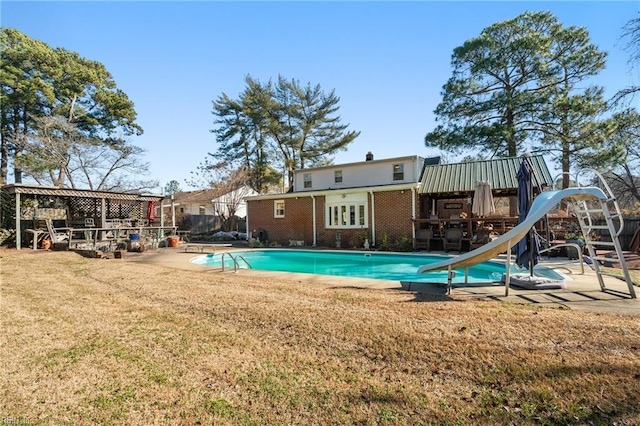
(459, 280)
(583, 292)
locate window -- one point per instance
(278, 208)
(398, 172)
(347, 212)
(202, 210)
(307, 180)
(337, 176)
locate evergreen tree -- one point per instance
(55, 96)
(516, 86)
(279, 126)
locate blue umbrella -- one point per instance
(525, 251)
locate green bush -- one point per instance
(7, 236)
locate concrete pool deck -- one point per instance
(582, 293)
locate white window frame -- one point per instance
(337, 176)
(400, 168)
(278, 213)
(307, 180)
(351, 212)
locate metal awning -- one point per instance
(460, 179)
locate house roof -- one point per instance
(207, 195)
(199, 196)
(460, 179)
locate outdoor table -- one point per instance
(96, 235)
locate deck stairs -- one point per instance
(599, 237)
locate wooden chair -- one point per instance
(423, 239)
(56, 236)
(453, 239)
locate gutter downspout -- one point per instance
(246, 222)
(313, 199)
(373, 219)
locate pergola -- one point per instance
(24, 204)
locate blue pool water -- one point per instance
(381, 266)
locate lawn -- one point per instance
(94, 341)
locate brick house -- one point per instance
(342, 205)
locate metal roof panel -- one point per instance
(462, 177)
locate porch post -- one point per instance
(18, 233)
(373, 219)
(162, 213)
(413, 212)
(103, 212)
(173, 212)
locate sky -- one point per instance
(386, 61)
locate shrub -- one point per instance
(7, 236)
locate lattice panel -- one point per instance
(125, 209)
(7, 210)
(81, 208)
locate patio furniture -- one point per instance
(423, 239)
(56, 235)
(453, 239)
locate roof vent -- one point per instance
(369, 156)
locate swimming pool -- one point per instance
(381, 266)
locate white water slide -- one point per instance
(541, 205)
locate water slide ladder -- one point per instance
(608, 209)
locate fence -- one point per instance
(199, 224)
(203, 224)
(563, 225)
(628, 231)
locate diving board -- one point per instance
(202, 246)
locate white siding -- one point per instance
(237, 198)
(354, 175)
(234, 198)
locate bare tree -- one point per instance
(230, 188)
(623, 175)
(62, 156)
(631, 32)
(111, 168)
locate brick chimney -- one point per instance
(369, 156)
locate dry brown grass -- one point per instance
(87, 341)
